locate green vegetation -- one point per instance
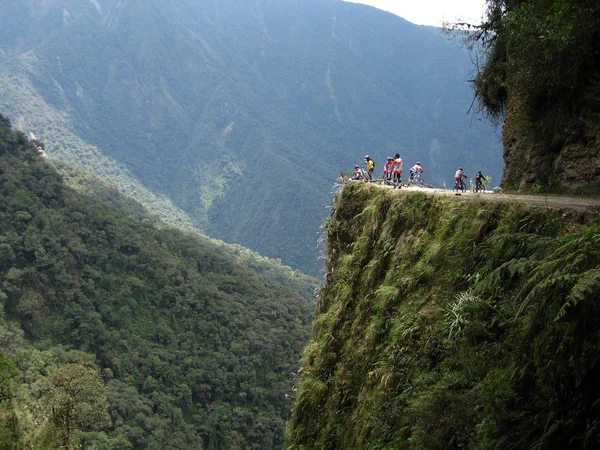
(9, 429)
(270, 270)
(540, 76)
(76, 401)
(117, 333)
(238, 130)
(31, 112)
(448, 323)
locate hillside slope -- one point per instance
(270, 270)
(239, 113)
(453, 324)
(193, 348)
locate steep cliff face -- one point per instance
(540, 74)
(554, 151)
(446, 323)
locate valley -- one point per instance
(247, 104)
(185, 263)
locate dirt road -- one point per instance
(588, 204)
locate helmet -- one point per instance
(389, 157)
(397, 155)
(460, 168)
(418, 163)
(366, 156)
(357, 166)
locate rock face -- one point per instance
(578, 166)
(551, 152)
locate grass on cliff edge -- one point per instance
(450, 324)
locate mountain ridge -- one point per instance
(248, 104)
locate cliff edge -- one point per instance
(452, 324)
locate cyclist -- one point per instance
(416, 169)
(397, 169)
(479, 179)
(458, 176)
(370, 166)
(388, 169)
(358, 173)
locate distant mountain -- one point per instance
(236, 116)
(181, 344)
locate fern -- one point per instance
(312, 388)
(587, 288)
(386, 295)
(506, 273)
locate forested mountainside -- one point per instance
(270, 270)
(118, 333)
(236, 116)
(541, 77)
(453, 324)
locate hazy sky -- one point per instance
(432, 12)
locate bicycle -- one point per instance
(387, 178)
(479, 187)
(459, 185)
(416, 180)
(367, 174)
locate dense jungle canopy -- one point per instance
(119, 332)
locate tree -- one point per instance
(76, 400)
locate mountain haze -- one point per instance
(236, 116)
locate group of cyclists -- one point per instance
(392, 171)
(392, 174)
(459, 184)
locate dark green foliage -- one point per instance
(240, 113)
(9, 428)
(541, 64)
(270, 270)
(543, 51)
(195, 349)
(75, 401)
(452, 324)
